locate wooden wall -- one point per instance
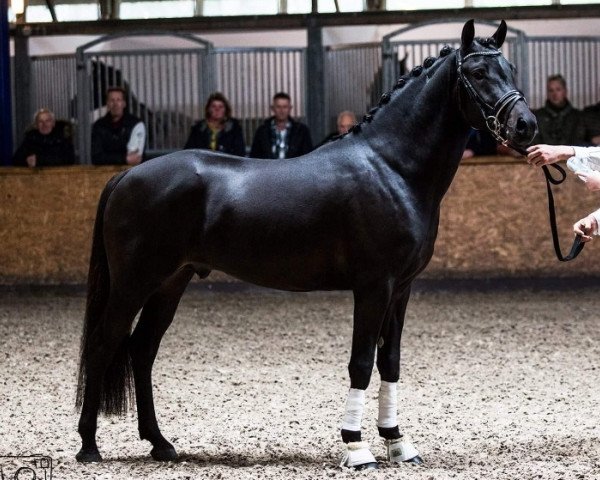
(494, 223)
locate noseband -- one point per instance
(491, 114)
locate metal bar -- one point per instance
(23, 91)
(50, 5)
(315, 88)
(142, 65)
(299, 21)
(163, 96)
(6, 126)
(155, 86)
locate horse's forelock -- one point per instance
(487, 43)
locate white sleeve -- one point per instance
(596, 215)
(589, 156)
(137, 139)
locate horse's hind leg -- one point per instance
(155, 319)
(371, 303)
(106, 370)
(399, 447)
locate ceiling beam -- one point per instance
(301, 21)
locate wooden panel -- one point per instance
(494, 223)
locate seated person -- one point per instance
(480, 143)
(559, 123)
(345, 120)
(48, 144)
(281, 136)
(218, 131)
(118, 137)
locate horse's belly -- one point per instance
(282, 264)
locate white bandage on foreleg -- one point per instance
(355, 405)
(387, 405)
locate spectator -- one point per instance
(280, 136)
(558, 122)
(48, 144)
(591, 118)
(585, 162)
(118, 137)
(480, 143)
(345, 120)
(218, 131)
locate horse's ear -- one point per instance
(468, 34)
(500, 34)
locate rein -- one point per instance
(491, 115)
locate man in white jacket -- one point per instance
(585, 162)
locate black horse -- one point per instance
(360, 213)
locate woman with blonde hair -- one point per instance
(218, 131)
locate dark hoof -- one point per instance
(367, 466)
(415, 461)
(87, 456)
(164, 454)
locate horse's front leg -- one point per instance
(399, 447)
(371, 303)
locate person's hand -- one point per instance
(596, 139)
(539, 155)
(591, 179)
(468, 153)
(31, 160)
(585, 227)
(133, 158)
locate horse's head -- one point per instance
(488, 96)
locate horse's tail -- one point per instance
(116, 386)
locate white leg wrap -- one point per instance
(400, 449)
(355, 405)
(387, 405)
(357, 454)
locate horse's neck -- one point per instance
(421, 133)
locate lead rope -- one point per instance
(578, 244)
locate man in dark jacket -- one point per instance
(48, 144)
(280, 136)
(118, 137)
(559, 123)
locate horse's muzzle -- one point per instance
(522, 126)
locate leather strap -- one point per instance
(578, 244)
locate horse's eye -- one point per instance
(478, 74)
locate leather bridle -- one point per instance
(491, 114)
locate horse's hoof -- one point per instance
(88, 456)
(359, 457)
(367, 466)
(415, 461)
(401, 450)
(168, 454)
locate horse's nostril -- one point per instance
(521, 125)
